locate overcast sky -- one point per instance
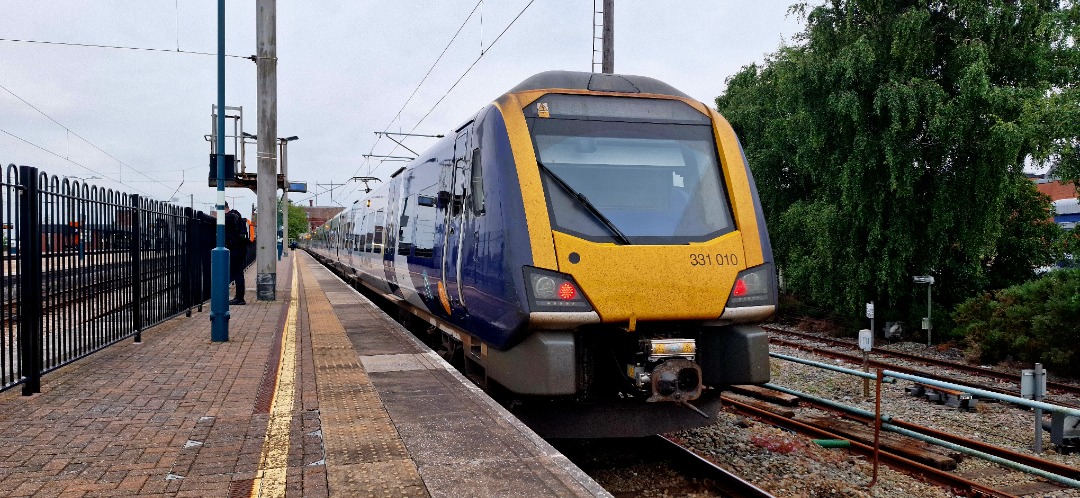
(345, 69)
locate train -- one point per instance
(590, 247)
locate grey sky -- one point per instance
(345, 69)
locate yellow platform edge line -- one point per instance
(273, 463)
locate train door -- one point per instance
(455, 220)
(391, 234)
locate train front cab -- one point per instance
(651, 261)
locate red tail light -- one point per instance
(567, 291)
(740, 288)
(754, 287)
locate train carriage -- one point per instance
(590, 245)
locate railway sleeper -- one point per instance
(925, 453)
(949, 397)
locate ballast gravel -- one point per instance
(788, 464)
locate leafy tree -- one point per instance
(890, 141)
(298, 222)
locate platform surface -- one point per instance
(315, 394)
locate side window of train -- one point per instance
(425, 223)
(458, 200)
(477, 184)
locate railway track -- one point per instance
(960, 485)
(1052, 387)
(653, 466)
(907, 459)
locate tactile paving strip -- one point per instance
(364, 454)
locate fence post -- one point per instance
(136, 268)
(30, 280)
(187, 285)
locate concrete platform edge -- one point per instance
(560, 460)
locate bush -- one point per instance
(1037, 321)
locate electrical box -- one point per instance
(1032, 384)
(230, 171)
(866, 340)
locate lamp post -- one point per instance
(219, 258)
(284, 227)
(929, 281)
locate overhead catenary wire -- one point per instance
(118, 47)
(470, 68)
(458, 81)
(379, 137)
(80, 137)
(87, 168)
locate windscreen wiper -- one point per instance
(585, 203)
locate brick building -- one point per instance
(1064, 198)
(319, 215)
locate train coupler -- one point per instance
(676, 380)
(671, 373)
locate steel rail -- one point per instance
(63, 298)
(1060, 387)
(726, 481)
(873, 363)
(901, 369)
(1005, 453)
(966, 487)
(972, 369)
(1023, 458)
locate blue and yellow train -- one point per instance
(590, 246)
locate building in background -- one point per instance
(318, 215)
(1063, 196)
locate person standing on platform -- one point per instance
(236, 240)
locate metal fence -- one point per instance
(86, 267)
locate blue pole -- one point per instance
(219, 258)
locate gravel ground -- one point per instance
(787, 464)
(790, 465)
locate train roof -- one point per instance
(1067, 206)
(597, 82)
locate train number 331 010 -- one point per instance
(718, 259)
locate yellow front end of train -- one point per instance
(641, 203)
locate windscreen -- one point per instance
(648, 167)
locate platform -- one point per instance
(315, 394)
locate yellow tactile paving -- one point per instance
(270, 478)
(364, 454)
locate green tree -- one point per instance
(890, 141)
(298, 222)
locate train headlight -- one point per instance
(544, 288)
(754, 287)
(553, 291)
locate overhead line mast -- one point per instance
(607, 37)
(265, 236)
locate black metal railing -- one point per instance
(85, 267)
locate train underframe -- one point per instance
(603, 381)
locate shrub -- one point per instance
(1037, 321)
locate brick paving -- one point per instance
(180, 416)
(176, 415)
